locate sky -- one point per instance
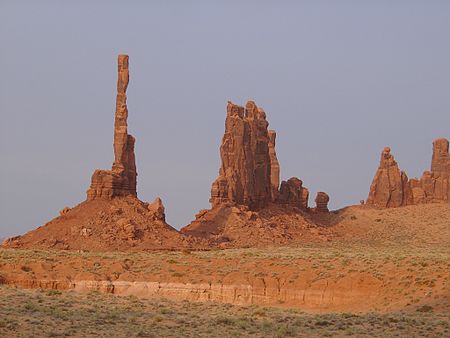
(339, 80)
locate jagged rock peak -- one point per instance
(441, 158)
(274, 166)
(245, 172)
(388, 188)
(121, 180)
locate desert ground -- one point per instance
(53, 313)
(373, 272)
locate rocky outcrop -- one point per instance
(249, 206)
(112, 217)
(322, 200)
(245, 174)
(293, 193)
(434, 185)
(391, 187)
(274, 166)
(157, 210)
(121, 180)
(250, 171)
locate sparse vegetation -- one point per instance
(37, 313)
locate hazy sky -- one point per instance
(339, 80)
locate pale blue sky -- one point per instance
(339, 80)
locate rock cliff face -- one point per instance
(391, 187)
(121, 180)
(274, 166)
(245, 174)
(250, 172)
(434, 185)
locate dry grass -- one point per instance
(39, 313)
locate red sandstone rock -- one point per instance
(389, 185)
(293, 193)
(157, 210)
(440, 168)
(390, 188)
(245, 174)
(121, 180)
(64, 211)
(112, 217)
(248, 204)
(322, 200)
(274, 166)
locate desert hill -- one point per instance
(122, 223)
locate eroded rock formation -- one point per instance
(112, 218)
(245, 174)
(434, 185)
(293, 193)
(250, 172)
(322, 200)
(121, 180)
(274, 166)
(391, 187)
(248, 203)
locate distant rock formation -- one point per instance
(274, 166)
(322, 200)
(121, 180)
(245, 174)
(249, 204)
(293, 193)
(434, 185)
(112, 217)
(391, 187)
(250, 172)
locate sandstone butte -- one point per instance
(392, 188)
(112, 217)
(249, 206)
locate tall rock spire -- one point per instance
(389, 186)
(436, 183)
(245, 173)
(274, 166)
(121, 180)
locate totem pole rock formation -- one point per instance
(388, 188)
(112, 217)
(391, 187)
(322, 200)
(121, 180)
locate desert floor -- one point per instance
(373, 273)
(52, 313)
